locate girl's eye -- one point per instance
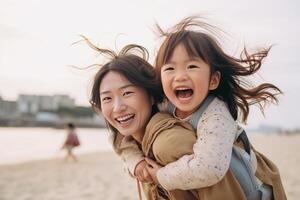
(168, 69)
(192, 66)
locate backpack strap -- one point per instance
(244, 138)
(242, 170)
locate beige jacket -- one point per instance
(167, 139)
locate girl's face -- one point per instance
(186, 81)
(124, 105)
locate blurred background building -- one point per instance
(46, 110)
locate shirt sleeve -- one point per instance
(128, 150)
(211, 158)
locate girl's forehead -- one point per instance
(181, 52)
(184, 46)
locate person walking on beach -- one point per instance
(70, 142)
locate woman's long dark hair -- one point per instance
(233, 89)
(131, 62)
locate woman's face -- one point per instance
(124, 105)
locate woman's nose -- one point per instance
(119, 105)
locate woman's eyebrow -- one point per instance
(104, 92)
(121, 88)
(126, 86)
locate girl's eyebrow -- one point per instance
(121, 88)
(191, 59)
(196, 59)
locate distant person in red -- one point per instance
(71, 141)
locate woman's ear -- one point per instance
(214, 80)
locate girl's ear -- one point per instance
(214, 80)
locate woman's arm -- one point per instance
(128, 150)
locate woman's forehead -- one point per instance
(112, 81)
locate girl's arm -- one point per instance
(210, 159)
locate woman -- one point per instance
(126, 91)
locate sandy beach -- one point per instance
(100, 175)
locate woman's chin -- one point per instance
(125, 131)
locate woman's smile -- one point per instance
(125, 119)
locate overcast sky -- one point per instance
(36, 38)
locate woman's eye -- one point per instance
(105, 99)
(127, 93)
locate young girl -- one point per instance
(204, 87)
(71, 141)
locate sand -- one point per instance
(100, 175)
(94, 177)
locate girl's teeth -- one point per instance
(184, 94)
(182, 88)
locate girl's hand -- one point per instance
(142, 173)
(152, 168)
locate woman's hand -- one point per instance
(142, 173)
(152, 168)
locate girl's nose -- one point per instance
(119, 105)
(181, 75)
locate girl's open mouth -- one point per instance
(184, 93)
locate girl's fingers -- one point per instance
(144, 176)
(147, 177)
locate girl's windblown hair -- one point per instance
(199, 40)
